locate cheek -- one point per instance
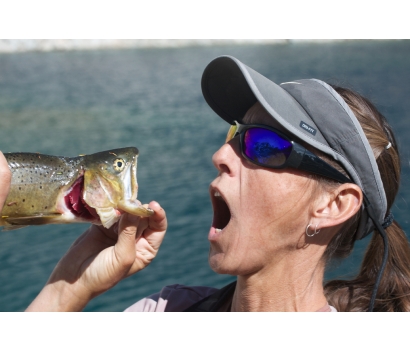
(262, 198)
(276, 202)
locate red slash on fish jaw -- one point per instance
(75, 203)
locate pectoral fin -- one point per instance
(134, 208)
(108, 216)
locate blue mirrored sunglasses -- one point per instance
(268, 147)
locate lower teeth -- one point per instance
(218, 230)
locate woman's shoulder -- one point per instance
(172, 298)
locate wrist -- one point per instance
(58, 296)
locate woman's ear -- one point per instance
(338, 206)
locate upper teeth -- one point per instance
(217, 194)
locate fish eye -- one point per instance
(119, 164)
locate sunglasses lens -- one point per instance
(266, 147)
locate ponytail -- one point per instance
(394, 286)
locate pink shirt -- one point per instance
(177, 298)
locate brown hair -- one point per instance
(394, 289)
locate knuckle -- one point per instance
(129, 231)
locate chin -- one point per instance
(217, 262)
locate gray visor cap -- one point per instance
(311, 110)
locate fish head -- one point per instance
(110, 177)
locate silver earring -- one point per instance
(314, 233)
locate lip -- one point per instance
(213, 235)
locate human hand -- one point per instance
(5, 179)
(100, 258)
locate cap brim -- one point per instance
(231, 88)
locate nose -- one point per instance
(227, 158)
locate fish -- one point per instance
(96, 188)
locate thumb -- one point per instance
(125, 246)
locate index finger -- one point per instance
(158, 221)
(157, 226)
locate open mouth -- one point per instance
(75, 203)
(222, 214)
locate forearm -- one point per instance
(58, 296)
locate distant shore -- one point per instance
(24, 45)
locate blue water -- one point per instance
(69, 103)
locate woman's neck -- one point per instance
(288, 286)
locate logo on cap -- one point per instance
(307, 128)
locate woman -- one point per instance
(280, 211)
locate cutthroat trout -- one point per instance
(94, 188)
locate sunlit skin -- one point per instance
(100, 258)
(278, 267)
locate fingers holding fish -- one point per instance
(157, 223)
(100, 258)
(149, 235)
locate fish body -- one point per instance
(94, 188)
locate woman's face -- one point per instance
(260, 214)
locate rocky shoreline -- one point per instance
(24, 45)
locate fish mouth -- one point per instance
(76, 204)
(222, 213)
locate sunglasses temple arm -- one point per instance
(313, 164)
